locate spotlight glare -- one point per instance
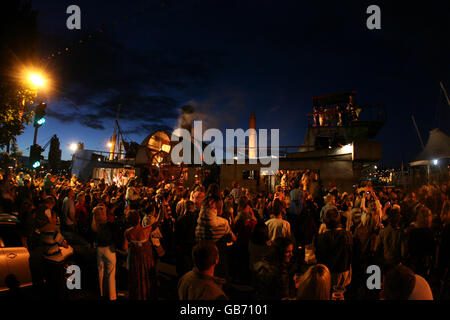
(73, 147)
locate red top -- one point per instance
(81, 214)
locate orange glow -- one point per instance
(36, 80)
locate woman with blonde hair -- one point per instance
(315, 284)
(420, 244)
(107, 242)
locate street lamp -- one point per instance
(73, 147)
(36, 80)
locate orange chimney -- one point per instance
(252, 152)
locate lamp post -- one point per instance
(36, 81)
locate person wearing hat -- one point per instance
(48, 184)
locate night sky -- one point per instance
(231, 58)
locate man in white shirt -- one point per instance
(278, 227)
(181, 205)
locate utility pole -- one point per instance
(418, 133)
(445, 93)
(114, 137)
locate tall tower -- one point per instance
(252, 151)
(113, 141)
(54, 155)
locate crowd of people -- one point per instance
(337, 115)
(298, 242)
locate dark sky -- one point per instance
(229, 58)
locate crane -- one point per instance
(48, 142)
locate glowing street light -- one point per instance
(109, 144)
(73, 147)
(36, 80)
(435, 162)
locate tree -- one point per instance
(18, 48)
(15, 112)
(10, 159)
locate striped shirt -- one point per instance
(51, 239)
(210, 226)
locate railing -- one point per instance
(331, 117)
(282, 150)
(104, 156)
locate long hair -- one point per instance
(315, 284)
(212, 195)
(277, 249)
(96, 215)
(133, 218)
(242, 204)
(423, 219)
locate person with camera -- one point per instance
(334, 248)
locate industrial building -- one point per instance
(338, 146)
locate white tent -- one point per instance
(437, 147)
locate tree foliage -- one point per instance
(15, 112)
